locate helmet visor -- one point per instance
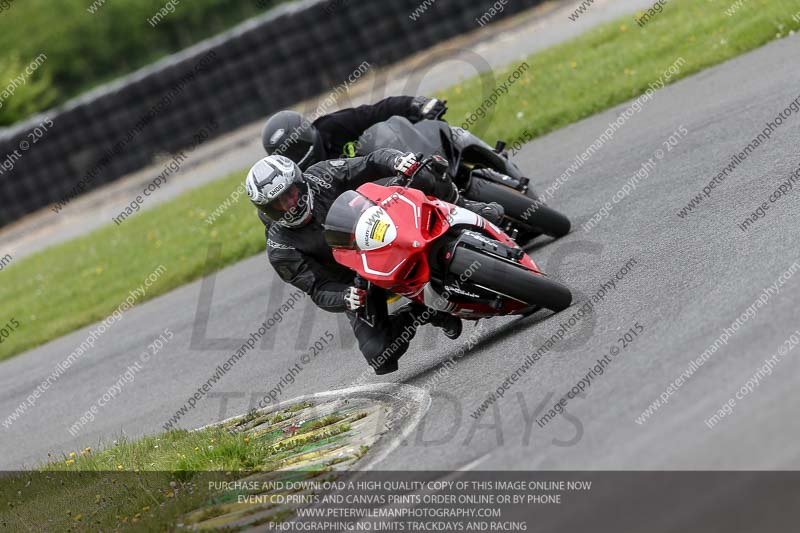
(298, 150)
(289, 206)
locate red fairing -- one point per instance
(398, 260)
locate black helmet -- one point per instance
(288, 134)
(278, 189)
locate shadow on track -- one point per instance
(485, 342)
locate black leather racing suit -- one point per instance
(301, 256)
(347, 125)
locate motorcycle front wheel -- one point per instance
(509, 279)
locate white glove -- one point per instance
(406, 164)
(355, 298)
(434, 108)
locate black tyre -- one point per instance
(526, 212)
(508, 279)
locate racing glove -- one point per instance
(355, 298)
(407, 164)
(429, 108)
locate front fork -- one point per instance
(376, 309)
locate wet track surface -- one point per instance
(692, 277)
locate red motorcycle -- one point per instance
(436, 254)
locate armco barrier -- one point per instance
(290, 54)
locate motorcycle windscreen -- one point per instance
(343, 217)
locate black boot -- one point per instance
(386, 368)
(451, 325)
(493, 212)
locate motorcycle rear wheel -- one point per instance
(509, 279)
(527, 213)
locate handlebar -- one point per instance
(424, 163)
(366, 313)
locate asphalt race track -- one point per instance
(692, 278)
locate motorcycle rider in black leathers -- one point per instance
(297, 203)
(330, 136)
(333, 136)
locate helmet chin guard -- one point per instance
(304, 214)
(277, 187)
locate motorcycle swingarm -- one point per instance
(481, 243)
(490, 174)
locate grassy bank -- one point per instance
(89, 42)
(157, 482)
(617, 62)
(82, 281)
(132, 484)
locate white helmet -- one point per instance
(277, 187)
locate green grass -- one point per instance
(84, 50)
(324, 421)
(153, 482)
(617, 61)
(212, 449)
(82, 281)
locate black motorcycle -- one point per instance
(480, 172)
